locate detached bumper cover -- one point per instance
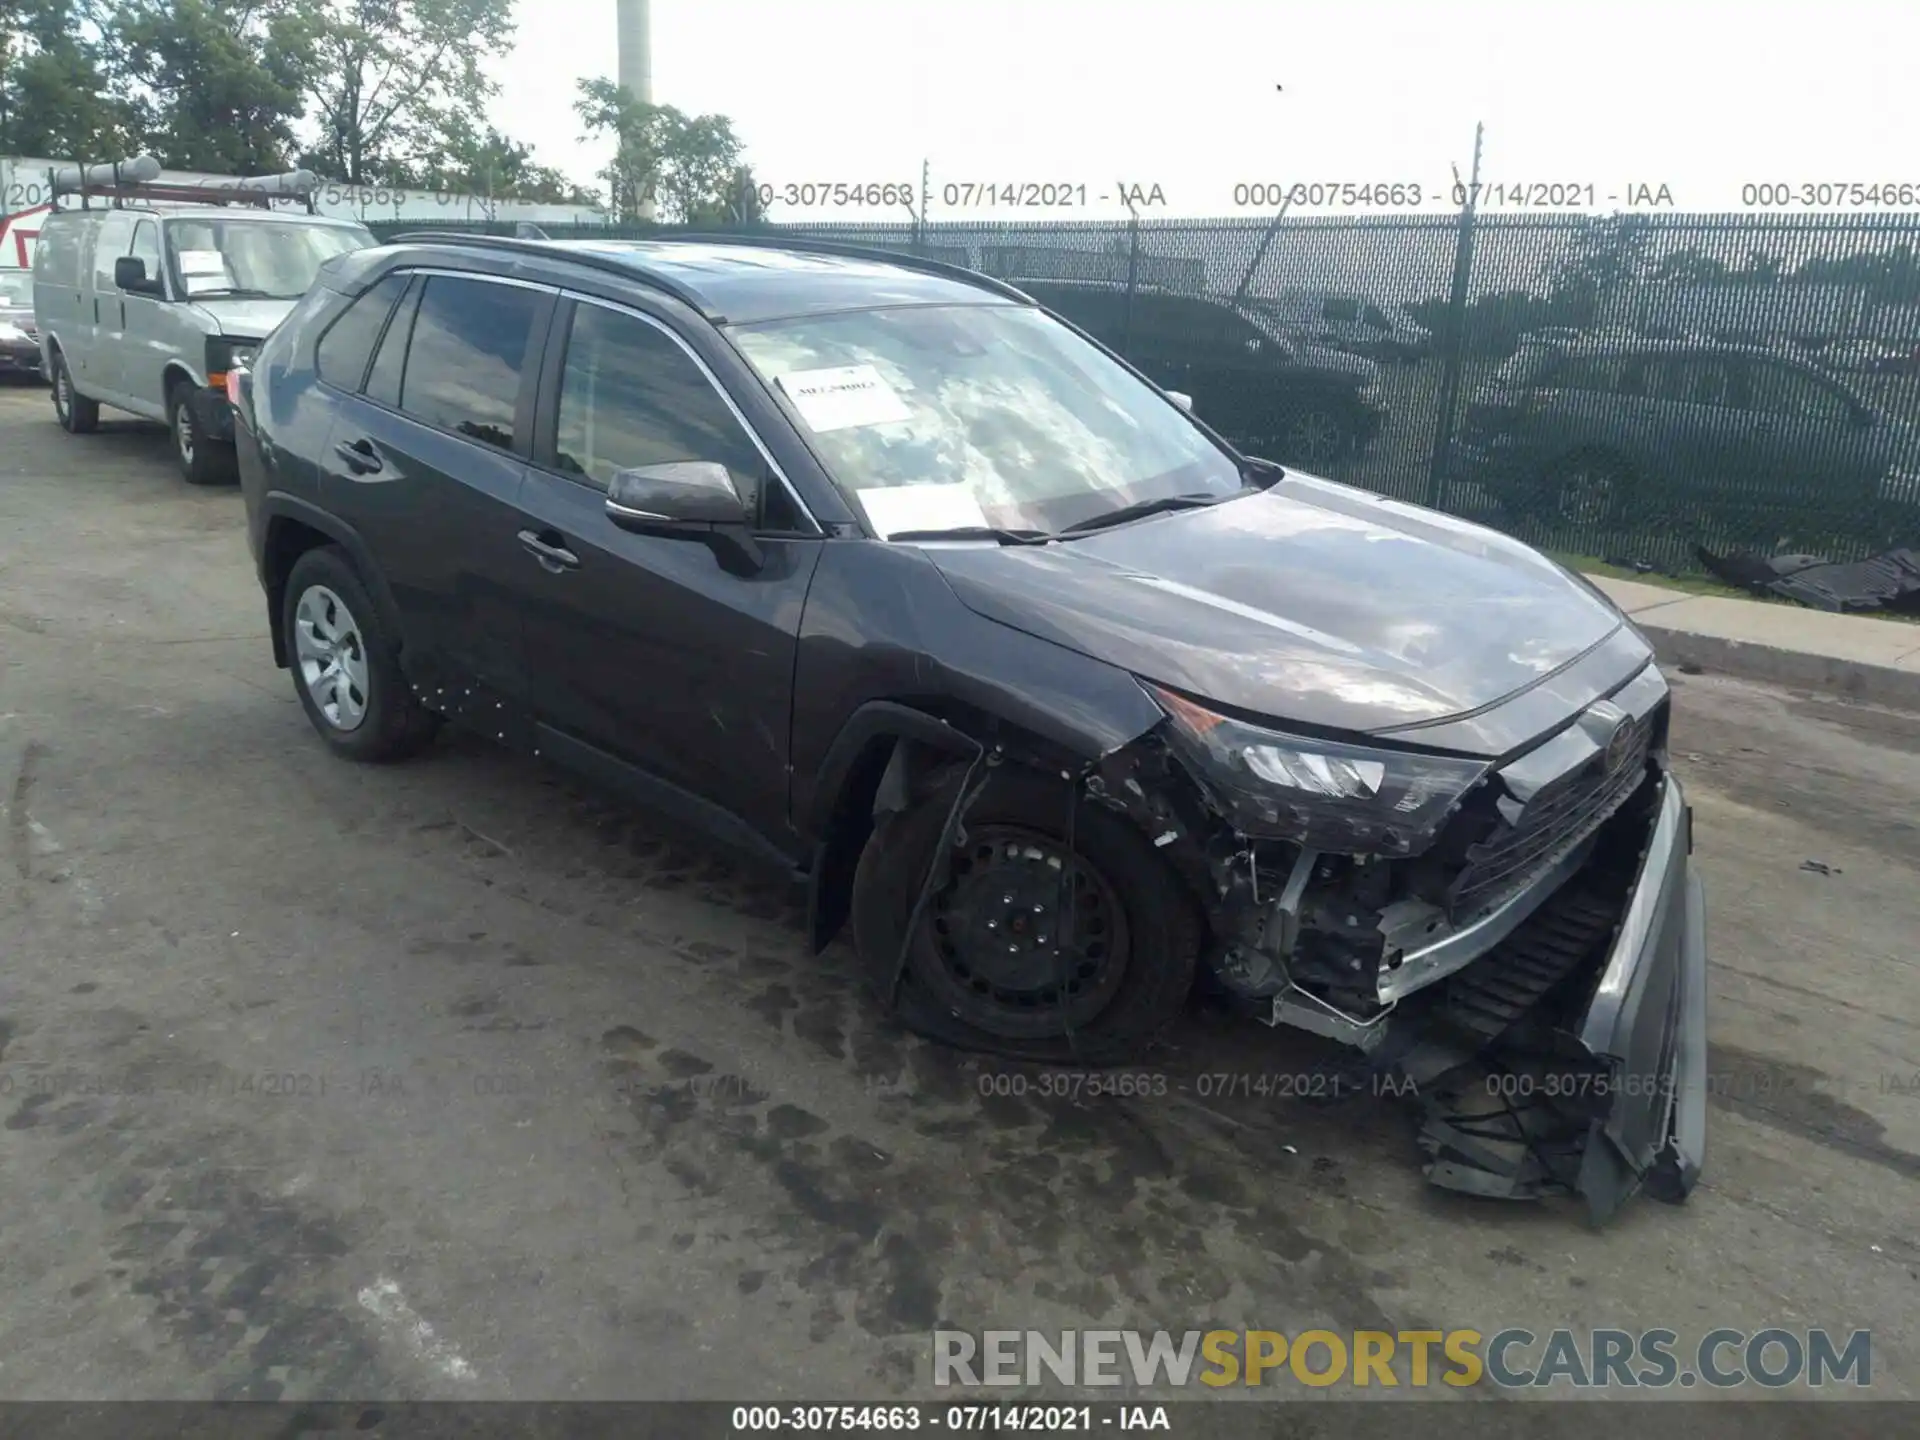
(1617, 1102)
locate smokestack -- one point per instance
(636, 60)
(636, 51)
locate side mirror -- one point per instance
(691, 499)
(1185, 402)
(130, 274)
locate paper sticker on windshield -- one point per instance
(895, 509)
(843, 397)
(202, 262)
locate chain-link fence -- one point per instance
(1617, 387)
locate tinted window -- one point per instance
(1693, 380)
(630, 396)
(1341, 311)
(389, 366)
(1779, 390)
(347, 347)
(146, 247)
(469, 345)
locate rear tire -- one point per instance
(1586, 490)
(346, 667)
(1134, 948)
(77, 414)
(203, 460)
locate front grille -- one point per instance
(1556, 821)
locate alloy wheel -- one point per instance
(332, 657)
(1586, 496)
(183, 433)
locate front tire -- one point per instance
(77, 414)
(989, 968)
(346, 668)
(203, 460)
(1312, 439)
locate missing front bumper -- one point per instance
(1613, 1100)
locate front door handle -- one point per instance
(360, 456)
(553, 557)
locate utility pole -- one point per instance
(1441, 464)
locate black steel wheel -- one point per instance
(1044, 938)
(1029, 941)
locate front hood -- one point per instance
(1311, 603)
(246, 319)
(1318, 357)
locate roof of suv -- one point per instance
(743, 280)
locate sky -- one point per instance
(1200, 97)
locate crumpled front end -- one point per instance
(1520, 944)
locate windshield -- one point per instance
(257, 259)
(933, 417)
(16, 288)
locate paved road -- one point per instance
(453, 1080)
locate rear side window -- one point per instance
(346, 349)
(464, 362)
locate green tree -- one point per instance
(476, 160)
(689, 167)
(55, 101)
(392, 80)
(219, 85)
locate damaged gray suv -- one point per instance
(1058, 704)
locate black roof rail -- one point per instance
(558, 248)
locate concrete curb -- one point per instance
(1683, 650)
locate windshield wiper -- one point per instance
(1140, 509)
(977, 532)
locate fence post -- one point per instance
(1133, 277)
(1440, 465)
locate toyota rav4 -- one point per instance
(1058, 703)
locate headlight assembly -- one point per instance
(1326, 794)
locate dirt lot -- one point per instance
(455, 1080)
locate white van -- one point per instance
(145, 309)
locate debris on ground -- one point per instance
(1890, 581)
(1818, 867)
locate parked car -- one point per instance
(146, 309)
(870, 566)
(1348, 322)
(1588, 432)
(1269, 394)
(1858, 357)
(19, 336)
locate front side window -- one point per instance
(346, 349)
(146, 247)
(253, 258)
(464, 363)
(115, 235)
(630, 396)
(1781, 390)
(935, 416)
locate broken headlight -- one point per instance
(1324, 794)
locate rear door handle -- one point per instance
(552, 557)
(360, 456)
